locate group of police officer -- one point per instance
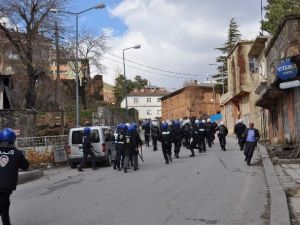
(194, 134)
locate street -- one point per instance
(215, 187)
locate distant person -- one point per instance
(147, 130)
(177, 136)
(87, 149)
(209, 132)
(187, 133)
(239, 130)
(223, 131)
(11, 159)
(251, 136)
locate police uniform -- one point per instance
(154, 135)
(11, 159)
(166, 143)
(120, 149)
(87, 150)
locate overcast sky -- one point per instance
(175, 35)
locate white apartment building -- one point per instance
(147, 101)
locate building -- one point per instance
(239, 101)
(67, 69)
(191, 101)
(147, 101)
(280, 94)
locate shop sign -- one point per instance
(286, 69)
(289, 84)
(216, 117)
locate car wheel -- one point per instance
(73, 165)
(108, 160)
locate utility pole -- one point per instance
(57, 84)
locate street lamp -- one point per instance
(98, 6)
(222, 66)
(214, 94)
(125, 82)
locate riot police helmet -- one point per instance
(86, 131)
(164, 126)
(8, 134)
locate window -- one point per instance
(148, 100)
(253, 65)
(158, 112)
(149, 112)
(158, 100)
(135, 100)
(78, 135)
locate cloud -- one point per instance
(177, 36)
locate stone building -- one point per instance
(239, 101)
(191, 101)
(280, 94)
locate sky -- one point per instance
(179, 36)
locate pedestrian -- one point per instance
(154, 134)
(239, 130)
(177, 136)
(120, 149)
(11, 160)
(251, 136)
(129, 147)
(87, 149)
(223, 131)
(166, 142)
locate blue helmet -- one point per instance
(134, 125)
(121, 126)
(177, 124)
(8, 134)
(87, 130)
(164, 126)
(131, 129)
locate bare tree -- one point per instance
(91, 49)
(30, 25)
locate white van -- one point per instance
(102, 140)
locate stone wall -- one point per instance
(19, 119)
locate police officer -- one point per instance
(166, 142)
(195, 137)
(11, 159)
(154, 134)
(209, 133)
(223, 131)
(120, 150)
(239, 130)
(177, 136)
(137, 142)
(147, 129)
(129, 146)
(87, 149)
(187, 133)
(202, 135)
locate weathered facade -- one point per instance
(283, 104)
(192, 101)
(239, 101)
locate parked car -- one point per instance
(102, 140)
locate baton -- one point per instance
(141, 155)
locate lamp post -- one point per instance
(76, 14)
(214, 94)
(125, 81)
(222, 70)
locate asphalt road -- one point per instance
(215, 187)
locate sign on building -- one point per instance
(286, 69)
(216, 117)
(289, 84)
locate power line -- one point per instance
(153, 68)
(147, 71)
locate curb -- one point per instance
(279, 212)
(25, 177)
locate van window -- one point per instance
(108, 135)
(77, 136)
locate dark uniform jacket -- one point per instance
(120, 140)
(176, 134)
(154, 131)
(209, 129)
(239, 129)
(165, 136)
(86, 143)
(11, 159)
(223, 131)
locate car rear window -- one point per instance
(77, 136)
